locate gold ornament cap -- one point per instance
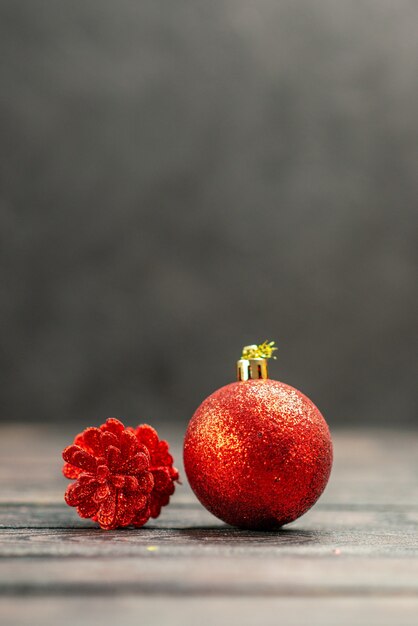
(253, 363)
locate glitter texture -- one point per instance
(161, 467)
(258, 454)
(123, 476)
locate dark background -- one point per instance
(179, 179)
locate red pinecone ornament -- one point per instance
(115, 484)
(161, 467)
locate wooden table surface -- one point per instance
(352, 559)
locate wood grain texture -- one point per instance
(352, 559)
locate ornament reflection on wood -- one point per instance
(257, 452)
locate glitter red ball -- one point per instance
(258, 454)
(122, 476)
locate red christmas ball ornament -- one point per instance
(257, 452)
(122, 476)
